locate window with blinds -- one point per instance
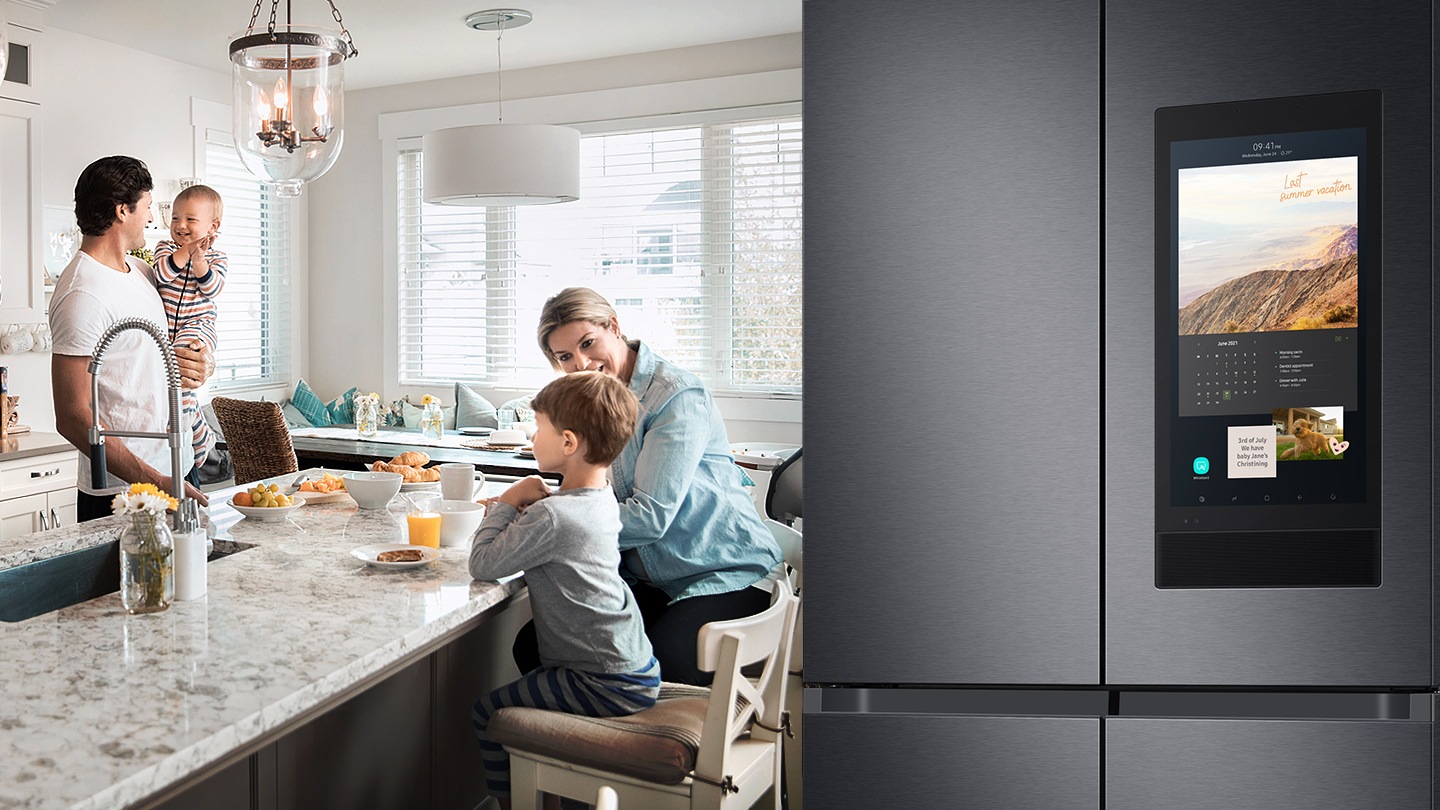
(693, 233)
(253, 310)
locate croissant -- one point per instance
(430, 474)
(411, 458)
(410, 474)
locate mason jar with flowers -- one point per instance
(147, 558)
(432, 420)
(367, 415)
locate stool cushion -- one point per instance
(658, 744)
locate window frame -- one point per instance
(717, 287)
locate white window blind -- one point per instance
(254, 307)
(693, 233)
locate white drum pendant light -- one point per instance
(4, 43)
(501, 164)
(288, 105)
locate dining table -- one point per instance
(343, 448)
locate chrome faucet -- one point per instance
(172, 380)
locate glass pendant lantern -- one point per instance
(288, 104)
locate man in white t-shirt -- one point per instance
(103, 285)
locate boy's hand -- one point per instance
(525, 492)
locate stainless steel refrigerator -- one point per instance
(1003, 607)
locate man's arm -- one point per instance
(70, 384)
(196, 366)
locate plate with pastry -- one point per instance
(395, 555)
(412, 477)
(528, 451)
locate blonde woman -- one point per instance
(693, 548)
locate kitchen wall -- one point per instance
(347, 205)
(98, 99)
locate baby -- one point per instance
(594, 656)
(189, 273)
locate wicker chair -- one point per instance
(258, 438)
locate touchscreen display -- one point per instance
(1267, 320)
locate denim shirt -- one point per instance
(683, 509)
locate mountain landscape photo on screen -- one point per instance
(1268, 247)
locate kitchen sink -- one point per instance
(68, 579)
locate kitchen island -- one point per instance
(303, 677)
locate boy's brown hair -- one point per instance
(204, 194)
(596, 407)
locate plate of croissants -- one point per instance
(411, 466)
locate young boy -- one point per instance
(594, 657)
(189, 273)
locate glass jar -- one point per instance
(432, 421)
(367, 417)
(147, 563)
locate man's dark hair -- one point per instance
(106, 183)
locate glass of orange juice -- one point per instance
(423, 520)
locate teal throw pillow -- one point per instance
(473, 410)
(310, 405)
(342, 408)
(412, 415)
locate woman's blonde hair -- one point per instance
(567, 306)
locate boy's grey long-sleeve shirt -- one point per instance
(568, 546)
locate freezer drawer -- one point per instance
(1016, 763)
(1267, 764)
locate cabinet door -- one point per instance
(21, 261)
(20, 515)
(62, 510)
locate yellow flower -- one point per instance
(373, 395)
(428, 400)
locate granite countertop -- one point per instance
(102, 709)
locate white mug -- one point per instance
(17, 341)
(457, 481)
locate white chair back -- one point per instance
(606, 799)
(725, 647)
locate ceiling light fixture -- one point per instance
(500, 163)
(289, 98)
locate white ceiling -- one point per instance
(415, 40)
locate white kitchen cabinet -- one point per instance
(22, 262)
(38, 493)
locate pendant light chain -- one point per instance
(274, 9)
(499, 76)
(335, 12)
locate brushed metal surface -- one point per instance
(951, 333)
(1163, 55)
(1266, 765)
(1016, 763)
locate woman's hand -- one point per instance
(526, 491)
(196, 363)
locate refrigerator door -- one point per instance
(1282, 637)
(936, 761)
(951, 333)
(1266, 764)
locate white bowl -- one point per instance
(458, 521)
(511, 436)
(373, 490)
(269, 512)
